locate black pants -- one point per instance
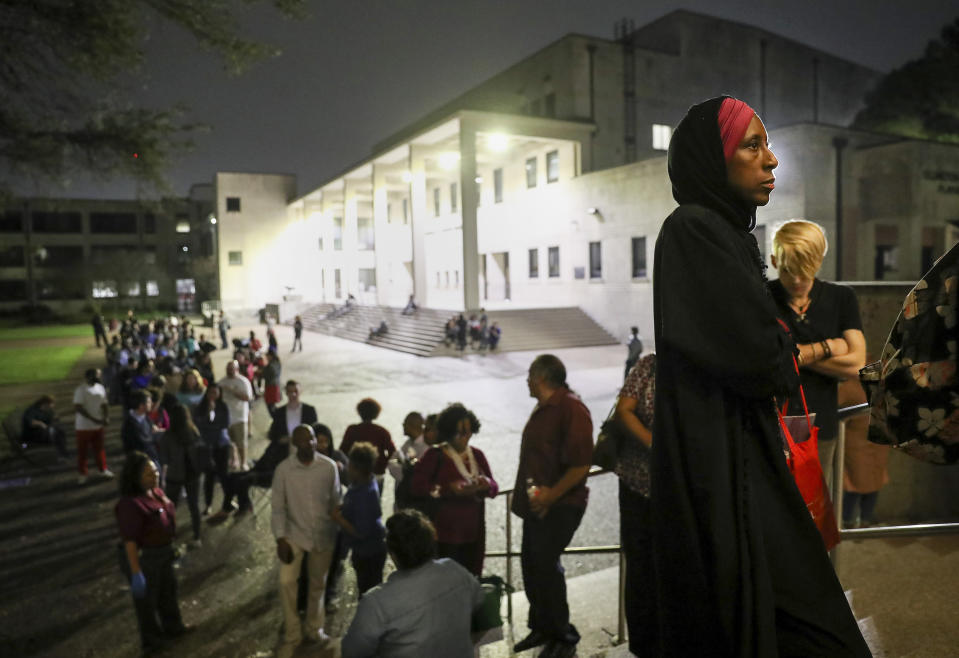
(369, 570)
(469, 554)
(158, 612)
(51, 434)
(192, 485)
(297, 341)
(336, 567)
(636, 539)
(238, 485)
(543, 575)
(219, 470)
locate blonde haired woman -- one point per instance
(824, 320)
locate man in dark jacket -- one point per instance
(137, 430)
(292, 414)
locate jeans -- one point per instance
(866, 502)
(192, 486)
(637, 541)
(543, 575)
(219, 469)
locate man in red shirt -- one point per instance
(550, 496)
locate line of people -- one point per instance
(478, 332)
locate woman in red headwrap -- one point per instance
(741, 569)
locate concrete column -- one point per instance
(469, 202)
(350, 274)
(381, 242)
(418, 219)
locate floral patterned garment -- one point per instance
(913, 389)
(633, 464)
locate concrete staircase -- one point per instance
(422, 333)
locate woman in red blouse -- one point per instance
(147, 524)
(459, 478)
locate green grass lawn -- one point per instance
(37, 364)
(46, 331)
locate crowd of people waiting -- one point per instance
(477, 332)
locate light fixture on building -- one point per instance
(497, 142)
(448, 160)
(185, 248)
(478, 179)
(592, 211)
(406, 176)
(213, 220)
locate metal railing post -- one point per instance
(838, 469)
(509, 559)
(621, 629)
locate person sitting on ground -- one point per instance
(361, 519)
(370, 432)
(494, 335)
(181, 469)
(425, 606)
(403, 460)
(379, 331)
(39, 425)
(451, 332)
(410, 307)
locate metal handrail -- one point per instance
(509, 554)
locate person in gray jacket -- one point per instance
(424, 608)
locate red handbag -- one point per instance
(803, 462)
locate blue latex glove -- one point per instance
(138, 585)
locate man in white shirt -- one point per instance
(306, 493)
(92, 416)
(402, 461)
(237, 394)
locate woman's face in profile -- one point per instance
(750, 170)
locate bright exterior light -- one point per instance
(407, 177)
(497, 142)
(448, 160)
(478, 179)
(186, 248)
(213, 220)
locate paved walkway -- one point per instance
(61, 593)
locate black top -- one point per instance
(832, 310)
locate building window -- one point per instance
(438, 279)
(498, 185)
(153, 290)
(530, 172)
(235, 257)
(456, 278)
(58, 256)
(233, 204)
(550, 105)
(447, 278)
(58, 222)
(389, 213)
(364, 234)
(12, 256)
(454, 194)
(150, 255)
(406, 211)
(337, 233)
(132, 288)
(552, 166)
(183, 226)
(436, 202)
(13, 290)
(183, 286)
(661, 135)
(639, 258)
(103, 289)
(149, 223)
(534, 263)
(595, 260)
(367, 279)
(11, 222)
(553, 261)
(113, 222)
(321, 243)
(337, 284)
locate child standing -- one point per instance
(362, 519)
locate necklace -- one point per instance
(800, 309)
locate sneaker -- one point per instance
(320, 637)
(534, 639)
(108, 474)
(82, 480)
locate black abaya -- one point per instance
(740, 567)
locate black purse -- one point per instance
(609, 441)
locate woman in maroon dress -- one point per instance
(459, 478)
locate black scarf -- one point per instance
(697, 167)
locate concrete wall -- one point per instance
(272, 252)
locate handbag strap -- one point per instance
(802, 394)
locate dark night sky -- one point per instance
(356, 71)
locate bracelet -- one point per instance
(826, 350)
(814, 357)
(799, 359)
